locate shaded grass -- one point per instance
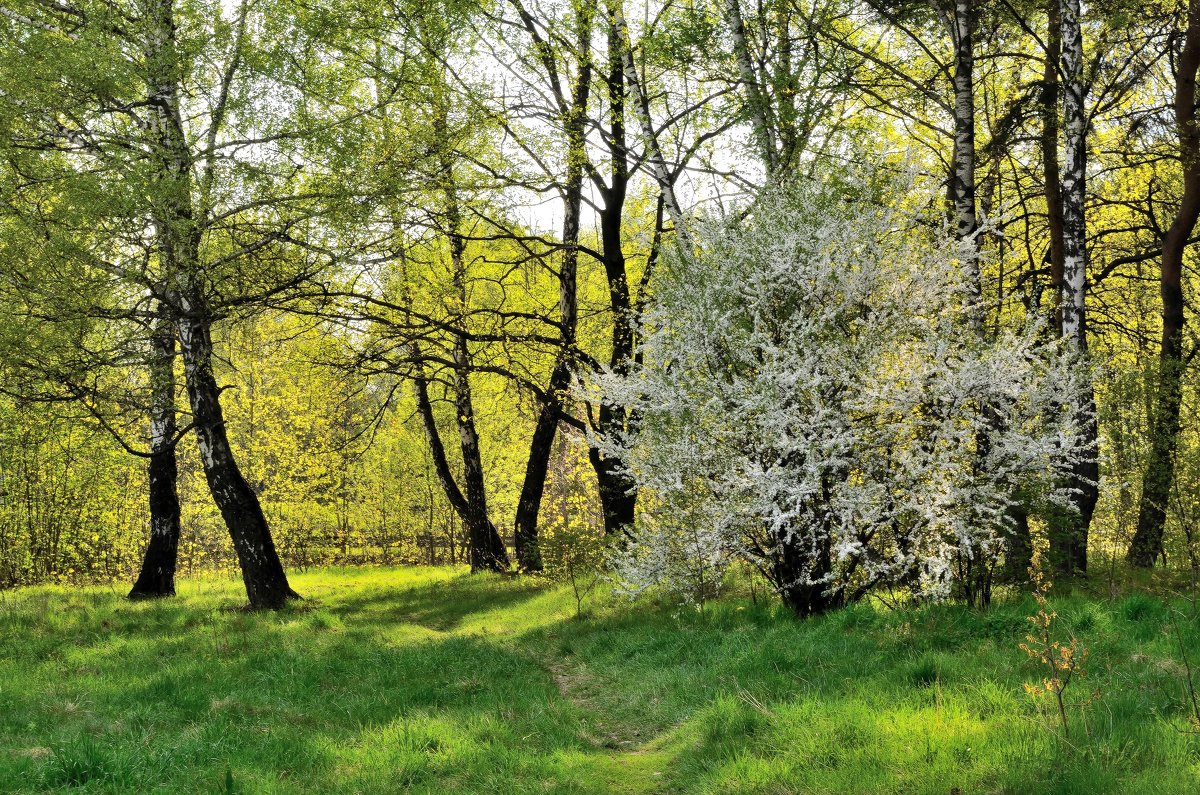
(430, 680)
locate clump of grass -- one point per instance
(1139, 607)
(85, 761)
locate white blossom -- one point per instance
(814, 399)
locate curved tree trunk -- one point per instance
(482, 539)
(1159, 475)
(157, 576)
(537, 466)
(262, 572)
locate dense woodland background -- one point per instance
(364, 265)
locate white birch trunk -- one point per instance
(1074, 181)
(754, 95)
(962, 180)
(641, 107)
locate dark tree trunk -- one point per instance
(157, 576)
(1159, 475)
(179, 238)
(1050, 165)
(617, 491)
(798, 571)
(489, 539)
(1018, 548)
(487, 548)
(487, 551)
(533, 487)
(437, 450)
(529, 556)
(262, 572)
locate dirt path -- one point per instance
(625, 758)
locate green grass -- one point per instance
(430, 680)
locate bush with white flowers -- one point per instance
(815, 400)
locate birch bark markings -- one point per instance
(962, 178)
(754, 94)
(1074, 177)
(1158, 477)
(641, 108)
(1072, 540)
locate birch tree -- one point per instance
(180, 119)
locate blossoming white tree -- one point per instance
(814, 400)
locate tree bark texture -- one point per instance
(262, 572)
(541, 444)
(1069, 541)
(157, 575)
(1159, 476)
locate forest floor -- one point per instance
(430, 680)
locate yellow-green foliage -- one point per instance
(72, 503)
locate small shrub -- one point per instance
(1062, 661)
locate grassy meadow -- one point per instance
(431, 680)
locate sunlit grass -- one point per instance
(430, 680)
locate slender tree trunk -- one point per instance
(617, 490)
(1074, 181)
(537, 466)
(1019, 555)
(437, 450)
(1050, 165)
(262, 572)
(1069, 543)
(962, 177)
(541, 444)
(487, 547)
(1159, 475)
(157, 576)
(755, 100)
(622, 44)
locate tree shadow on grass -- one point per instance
(442, 606)
(296, 701)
